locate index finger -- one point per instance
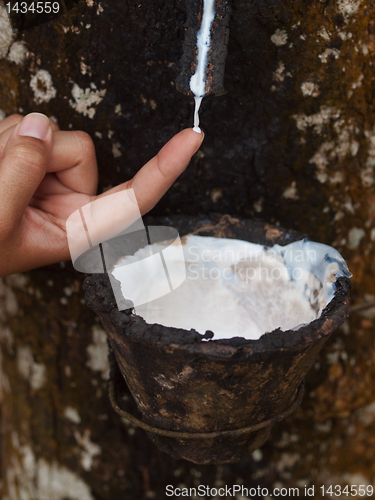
(157, 176)
(119, 208)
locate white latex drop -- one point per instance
(198, 80)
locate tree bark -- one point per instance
(292, 142)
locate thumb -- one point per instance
(23, 166)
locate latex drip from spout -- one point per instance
(198, 101)
(198, 80)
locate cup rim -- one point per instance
(254, 230)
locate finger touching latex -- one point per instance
(158, 175)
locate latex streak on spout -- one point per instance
(202, 71)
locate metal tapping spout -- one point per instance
(217, 52)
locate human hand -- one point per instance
(47, 174)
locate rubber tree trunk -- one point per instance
(292, 142)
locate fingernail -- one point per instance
(199, 143)
(35, 125)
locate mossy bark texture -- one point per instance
(292, 142)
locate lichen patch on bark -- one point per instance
(42, 86)
(86, 99)
(18, 53)
(88, 451)
(8, 299)
(31, 478)
(280, 37)
(34, 373)
(6, 33)
(98, 353)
